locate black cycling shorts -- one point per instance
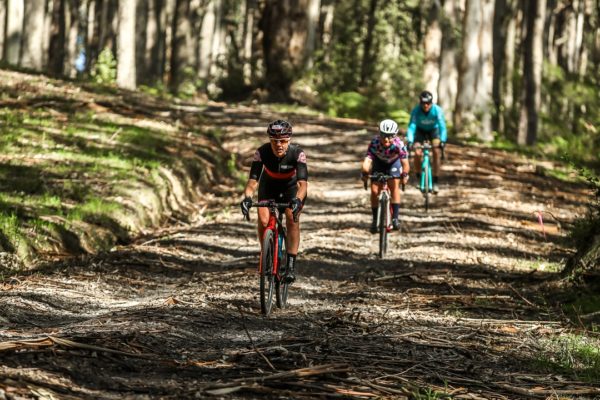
(421, 135)
(394, 168)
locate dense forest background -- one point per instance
(505, 71)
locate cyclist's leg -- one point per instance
(394, 186)
(293, 231)
(437, 158)
(420, 137)
(378, 166)
(263, 213)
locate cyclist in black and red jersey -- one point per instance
(279, 171)
(387, 154)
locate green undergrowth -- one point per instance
(571, 355)
(77, 181)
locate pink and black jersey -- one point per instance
(397, 150)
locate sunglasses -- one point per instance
(426, 104)
(278, 141)
(386, 136)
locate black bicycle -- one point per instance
(384, 211)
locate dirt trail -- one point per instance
(462, 305)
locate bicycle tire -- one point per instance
(384, 209)
(267, 279)
(281, 286)
(427, 186)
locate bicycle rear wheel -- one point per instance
(281, 285)
(384, 209)
(267, 279)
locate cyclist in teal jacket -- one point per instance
(427, 122)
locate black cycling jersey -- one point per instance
(278, 176)
(292, 166)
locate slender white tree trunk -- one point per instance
(474, 102)
(126, 45)
(247, 37)
(432, 49)
(314, 7)
(327, 30)
(448, 83)
(14, 31)
(209, 27)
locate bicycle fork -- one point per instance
(426, 173)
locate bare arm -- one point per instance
(302, 190)
(250, 187)
(366, 166)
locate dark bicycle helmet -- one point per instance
(426, 97)
(279, 129)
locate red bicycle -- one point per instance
(273, 258)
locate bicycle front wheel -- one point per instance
(427, 187)
(384, 212)
(281, 285)
(267, 278)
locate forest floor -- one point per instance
(466, 304)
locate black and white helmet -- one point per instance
(388, 127)
(426, 97)
(279, 129)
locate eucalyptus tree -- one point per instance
(14, 31)
(32, 55)
(532, 71)
(126, 45)
(474, 101)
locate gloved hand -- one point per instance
(410, 145)
(296, 206)
(365, 178)
(404, 177)
(245, 206)
(442, 144)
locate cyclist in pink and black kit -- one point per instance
(280, 172)
(386, 154)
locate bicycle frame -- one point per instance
(272, 253)
(384, 210)
(275, 224)
(426, 175)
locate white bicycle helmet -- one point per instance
(388, 127)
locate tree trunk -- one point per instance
(448, 82)
(503, 56)
(283, 45)
(314, 7)
(433, 49)
(14, 31)
(142, 21)
(328, 10)
(72, 32)
(367, 60)
(2, 24)
(209, 30)
(532, 71)
(474, 100)
(247, 35)
(33, 35)
(126, 45)
(57, 39)
(180, 56)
